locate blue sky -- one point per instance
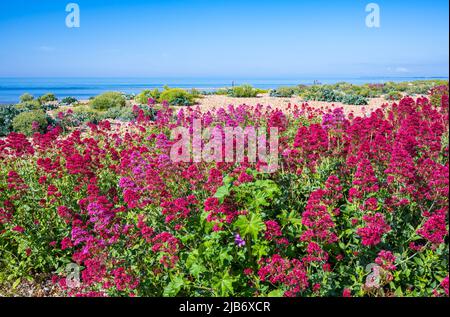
(219, 38)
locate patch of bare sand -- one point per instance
(212, 102)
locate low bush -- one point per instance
(177, 97)
(29, 105)
(26, 97)
(394, 95)
(119, 113)
(108, 100)
(69, 100)
(85, 114)
(354, 100)
(7, 115)
(47, 98)
(147, 94)
(244, 91)
(30, 122)
(283, 92)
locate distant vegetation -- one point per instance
(35, 114)
(108, 100)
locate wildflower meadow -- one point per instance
(357, 205)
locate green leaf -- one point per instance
(192, 258)
(276, 293)
(250, 225)
(398, 292)
(222, 192)
(225, 285)
(173, 288)
(16, 283)
(197, 269)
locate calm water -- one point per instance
(83, 88)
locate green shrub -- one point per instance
(329, 95)
(354, 100)
(119, 113)
(7, 115)
(26, 97)
(221, 92)
(50, 106)
(244, 91)
(25, 121)
(85, 114)
(283, 92)
(394, 95)
(145, 95)
(108, 100)
(177, 97)
(29, 105)
(47, 98)
(69, 100)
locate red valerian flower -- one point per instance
(386, 260)
(375, 228)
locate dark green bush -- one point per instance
(25, 121)
(50, 106)
(354, 100)
(69, 100)
(329, 95)
(7, 115)
(108, 100)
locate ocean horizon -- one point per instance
(11, 88)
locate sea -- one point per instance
(84, 88)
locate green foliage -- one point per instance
(108, 100)
(29, 105)
(119, 113)
(26, 97)
(354, 100)
(47, 98)
(69, 100)
(24, 121)
(7, 115)
(394, 95)
(284, 92)
(85, 114)
(177, 97)
(244, 91)
(145, 95)
(437, 94)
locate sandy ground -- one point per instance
(216, 101)
(211, 102)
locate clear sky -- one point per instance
(214, 38)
